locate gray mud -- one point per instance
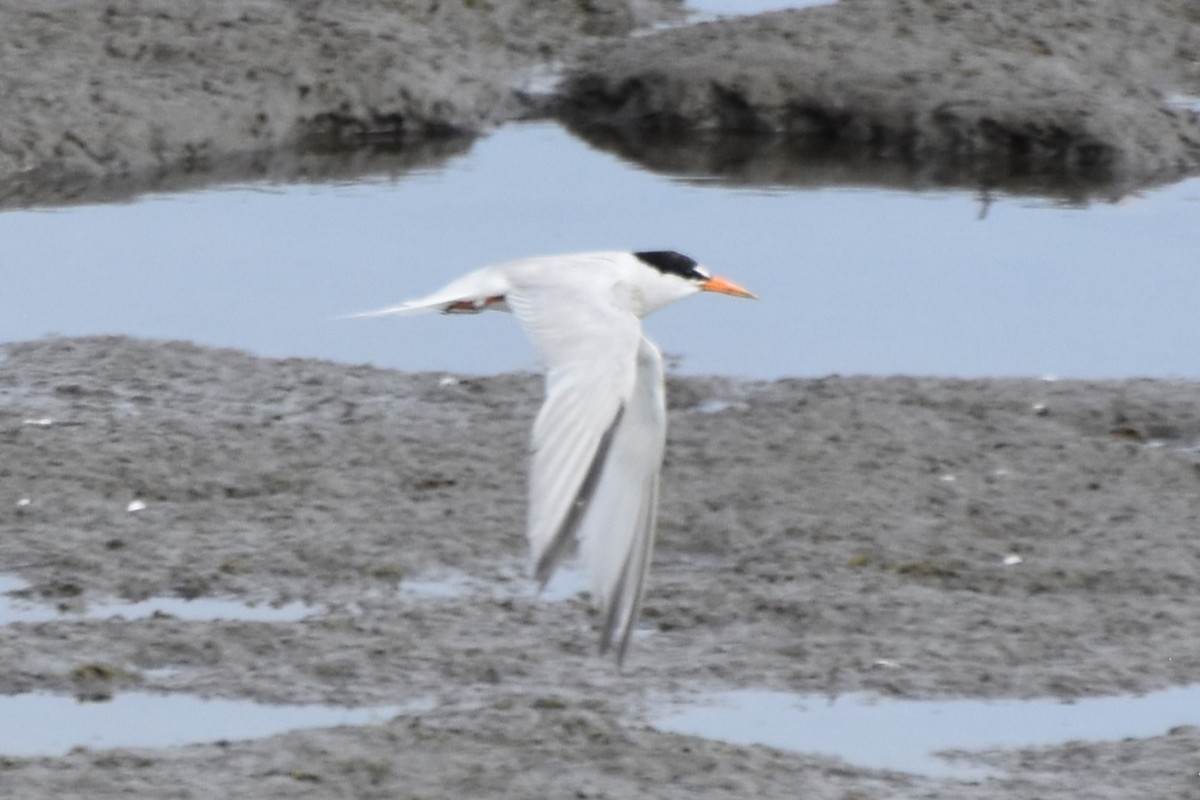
(110, 99)
(104, 96)
(819, 536)
(982, 93)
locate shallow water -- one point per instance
(16, 609)
(907, 735)
(39, 724)
(853, 279)
(568, 581)
(732, 7)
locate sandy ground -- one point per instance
(819, 536)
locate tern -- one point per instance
(598, 439)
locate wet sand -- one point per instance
(819, 536)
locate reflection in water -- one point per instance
(39, 724)
(905, 735)
(779, 162)
(317, 161)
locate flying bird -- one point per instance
(598, 439)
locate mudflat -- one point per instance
(110, 99)
(909, 537)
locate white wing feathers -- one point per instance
(616, 534)
(476, 291)
(597, 444)
(598, 439)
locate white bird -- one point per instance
(598, 439)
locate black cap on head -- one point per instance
(673, 263)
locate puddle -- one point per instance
(907, 735)
(715, 406)
(701, 11)
(445, 587)
(1187, 447)
(568, 582)
(207, 609)
(740, 7)
(1185, 101)
(39, 724)
(203, 609)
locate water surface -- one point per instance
(907, 735)
(852, 279)
(15, 609)
(39, 724)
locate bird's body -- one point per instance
(598, 439)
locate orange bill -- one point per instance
(716, 284)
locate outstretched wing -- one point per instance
(476, 291)
(597, 443)
(617, 532)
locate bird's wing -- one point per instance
(617, 532)
(589, 350)
(597, 444)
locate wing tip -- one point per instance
(403, 308)
(545, 565)
(621, 646)
(620, 617)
